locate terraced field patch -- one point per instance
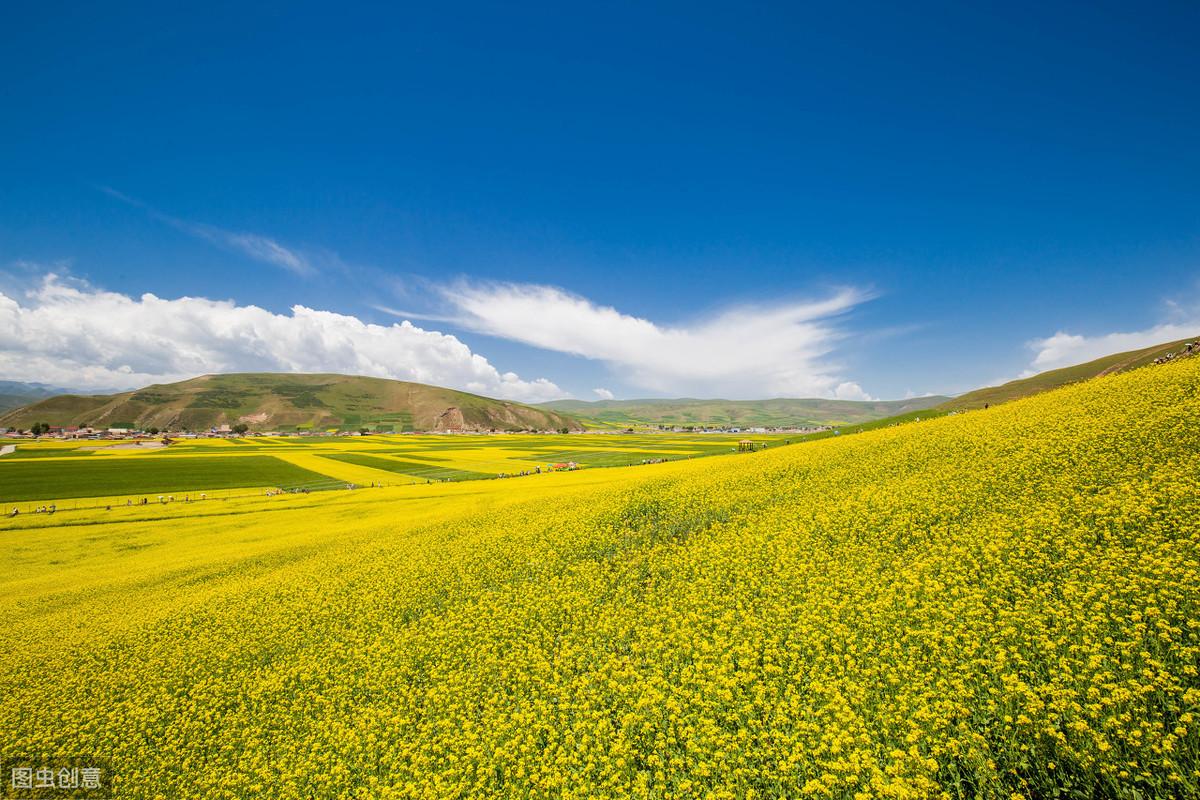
(415, 469)
(324, 462)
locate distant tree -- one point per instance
(153, 431)
(39, 428)
(364, 431)
(564, 430)
(240, 428)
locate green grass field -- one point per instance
(44, 479)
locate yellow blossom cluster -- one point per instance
(993, 604)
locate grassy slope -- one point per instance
(14, 394)
(746, 413)
(287, 401)
(988, 605)
(1052, 379)
(8, 400)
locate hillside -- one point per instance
(1052, 379)
(982, 606)
(14, 394)
(274, 401)
(781, 412)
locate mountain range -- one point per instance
(779, 412)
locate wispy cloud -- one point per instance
(260, 248)
(768, 349)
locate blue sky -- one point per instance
(701, 200)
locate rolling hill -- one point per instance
(781, 412)
(271, 401)
(1052, 379)
(14, 394)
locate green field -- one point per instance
(52, 470)
(149, 474)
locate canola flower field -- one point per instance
(995, 604)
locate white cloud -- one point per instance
(603, 394)
(260, 248)
(752, 351)
(1065, 349)
(71, 334)
(849, 390)
(252, 245)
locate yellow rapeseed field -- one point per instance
(996, 604)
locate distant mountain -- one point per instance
(14, 394)
(742, 413)
(275, 401)
(1052, 379)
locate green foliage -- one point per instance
(151, 397)
(220, 398)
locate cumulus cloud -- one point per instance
(603, 394)
(768, 349)
(1064, 349)
(72, 334)
(849, 390)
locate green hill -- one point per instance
(273, 401)
(780, 412)
(1052, 379)
(14, 394)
